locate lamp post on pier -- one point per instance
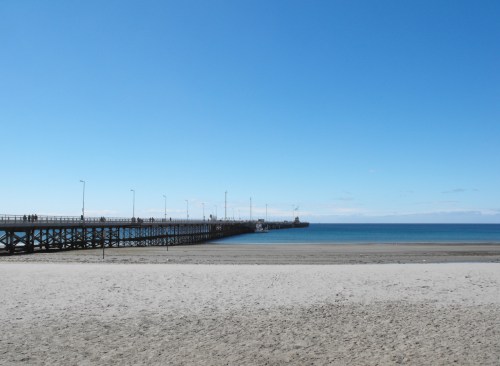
(250, 208)
(203, 206)
(133, 202)
(83, 204)
(225, 205)
(165, 197)
(187, 209)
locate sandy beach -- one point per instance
(67, 308)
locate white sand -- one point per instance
(115, 314)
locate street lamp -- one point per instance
(187, 209)
(165, 197)
(133, 203)
(225, 205)
(83, 204)
(250, 208)
(203, 205)
(266, 211)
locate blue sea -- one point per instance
(374, 233)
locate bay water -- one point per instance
(373, 233)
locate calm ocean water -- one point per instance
(374, 233)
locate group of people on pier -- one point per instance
(30, 218)
(151, 219)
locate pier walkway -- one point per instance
(33, 233)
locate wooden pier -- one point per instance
(32, 234)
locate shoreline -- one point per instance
(357, 244)
(280, 254)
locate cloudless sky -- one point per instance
(352, 111)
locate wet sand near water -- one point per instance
(277, 254)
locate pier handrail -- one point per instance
(46, 219)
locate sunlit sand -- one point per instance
(205, 314)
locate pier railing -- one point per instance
(44, 219)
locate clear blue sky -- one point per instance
(354, 111)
